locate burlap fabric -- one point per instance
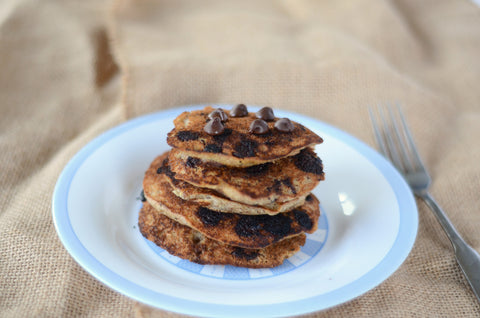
(72, 69)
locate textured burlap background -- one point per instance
(70, 70)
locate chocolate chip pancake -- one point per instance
(235, 141)
(216, 201)
(247, 231)
(187, 243)
(280, 181)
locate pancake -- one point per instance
(236, 146)
(280, 181)
(216, 201)
(247, 231)
(184, 242)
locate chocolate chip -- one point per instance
(258, 169)
(192, 162)
(210, 217)
(218, 113)
(214, 127)
(186, 135)
(239, 111)
(309, 198)
(284, 125)
(245, 148)
(308, 162)
(244, 253)
(266, 113)
(303, 219)
(258, 127)
(213, 148)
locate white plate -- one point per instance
(368, 227)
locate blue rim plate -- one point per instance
(368, 227)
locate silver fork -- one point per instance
(396, 144)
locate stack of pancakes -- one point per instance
(230, 195)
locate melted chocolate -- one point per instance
(258, 169)
(192, 162)
(251, 225)
(165, 169)
(213, 148)
(279, 225)
(303, 219)
(244, 253)
(248, 225)
(210, 217)
(308, 162)
(142, 196)
(186, 135)
(245, 148)
(220, 139)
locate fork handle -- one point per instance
(467, 257)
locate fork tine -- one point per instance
(400, 137)
(392, 148)
(378, 135)
(411, 144)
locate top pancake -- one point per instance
(236, 146)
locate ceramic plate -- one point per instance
(368, 226)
